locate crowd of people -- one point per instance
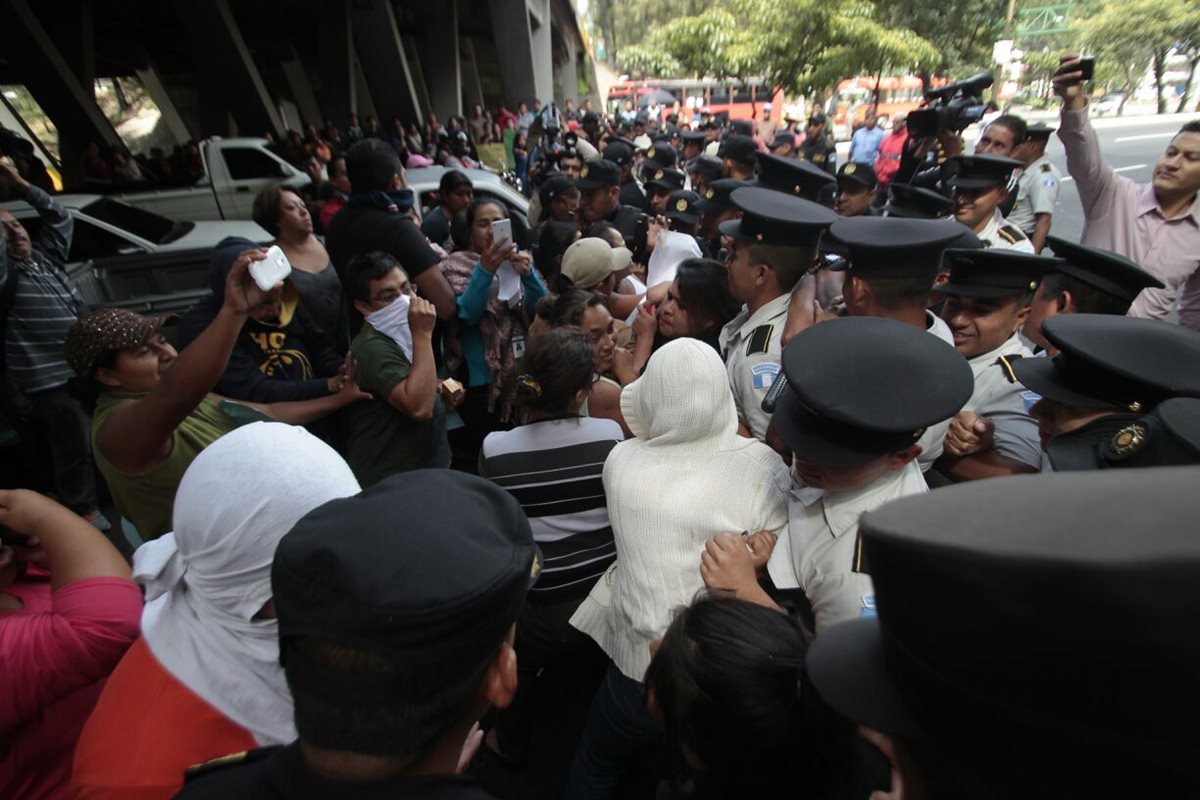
(741, 473)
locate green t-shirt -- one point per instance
(147, 499)
(382, 439)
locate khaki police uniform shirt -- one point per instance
(933, 440)
(1000, 233)
(1037, 193)
(820, 551)
(753, 345)
(1001, 398)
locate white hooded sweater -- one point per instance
(686, 477)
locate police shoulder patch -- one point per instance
(764, 374)
(760, 339)
(1005, 363)
(1010, 233)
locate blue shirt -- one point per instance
(864, 145)
(472, 304)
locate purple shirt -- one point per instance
(1124, 217)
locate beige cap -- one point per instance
(589, 261)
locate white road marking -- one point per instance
(1145, 136)
(1068, 178)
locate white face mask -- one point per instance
(392, 322)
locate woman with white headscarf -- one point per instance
(204, 679)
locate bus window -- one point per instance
(741, 94)
(720, 94)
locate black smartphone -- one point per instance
(1087, 66)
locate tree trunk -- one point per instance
(1193, 62)
(1160, 66)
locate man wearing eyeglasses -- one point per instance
(818, 146)
(403, 425)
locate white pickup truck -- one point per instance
(234, 172)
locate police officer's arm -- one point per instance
(58, 227)
(988, 464)
(1041, 229)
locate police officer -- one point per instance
(818, 146)
(620, 152)
(1088, 280)
(783, 145)
(889, 269)
(599, 186)
(853, 435)
(683, 211)
(1169, 436)
(693, 147)
(979, 185)
(856, 186)
(737, 157)
(703, 173)
(1107, 368)
(774, 245)
(1007, 609)
(915, 202)
(987, 300)
(394, 640)
(1037, 187)
(716, 206)
(796, 177)
(659, 186)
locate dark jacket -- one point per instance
(271, 362)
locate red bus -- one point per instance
(855, 95)
(741, 99)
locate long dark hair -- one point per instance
(729, 684)
(553, 241)
(704, 292)
(557, 366)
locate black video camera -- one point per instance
(950, 108)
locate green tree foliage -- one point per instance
(1136, 34)
(799, 45)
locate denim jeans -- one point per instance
(619, 729)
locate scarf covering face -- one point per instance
(207, 579)
(398, 202)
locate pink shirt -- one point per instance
(56, 652)
(888, 161)
(1124, 217)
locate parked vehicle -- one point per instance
(1109, 104)
(234, 172)
(424, 183)
(131, 257)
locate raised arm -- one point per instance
(137, 435)
(57, 229)
(1094, 178)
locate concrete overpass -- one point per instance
(225, 67)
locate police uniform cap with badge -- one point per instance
(1113, 362)
(1078, 688)
(697, 138)
(708, 168)
(1111, 273)
(861, 174)
(618, 152)
(796, 177)
(665, 179)
(737, 147)
(988, 273)
(597, 172)
(660, 155)
(902, 381)
(770, 217)
(914, 202)
(1167, 436)
(717, 197)
(881, 247)
(684, 206)
(432, 598)
(980, 171)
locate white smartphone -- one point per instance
(270, 271)
(502, 229)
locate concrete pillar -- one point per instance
(55, 86)
(472, 87)
(157, 89)
(568, 75)
(420, 83)
(77, 43)
(302, 91)
(381, 52)
(541, 35)
(364, 104)
(522, 31)
(226, 70)
(338, 84)
(441, 57)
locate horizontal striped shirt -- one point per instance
(44, 303)
(553, 468)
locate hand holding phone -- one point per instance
(501, 230)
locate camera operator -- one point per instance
(1157, 224)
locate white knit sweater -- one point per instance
(686, 477)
